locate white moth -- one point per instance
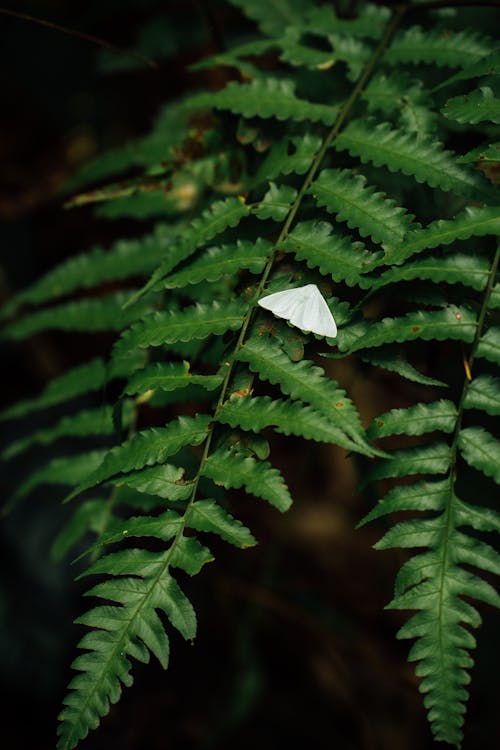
(303, 307)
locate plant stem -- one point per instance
(80, 35)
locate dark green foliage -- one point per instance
(317, 165)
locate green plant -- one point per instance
(260, 187)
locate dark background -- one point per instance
(294, 647)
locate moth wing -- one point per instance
(304, 307)
(282, 304)
(314, 315)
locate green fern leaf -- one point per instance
(237, 57)
(146, 448)
(370, 21)
(426, 459)
(165, 526)
(214, 220)
(290, 418)
(216, 262)
(125, 259)
(424, 159)
(165, 481)
(276, 203)
(302, 380)
(494, 298)
(84, 423)
(193, 323)
(89, 516)
(439, 47)
(120, 632)
(486, 66)
(232, 469)
(488, 154)
(472, 222)
(273, 16)
(421, 496)
(387, 359)
(481, 104)
(316, 243)
(489, 345)
(342, 48)
(470, 270)
(61, 471)
(480, 519)
(361, 206)
(450, 323)
(207, 515)
(265, 97)
(415, 420)
(85, 378)
(398, 92)
(483, 393)
(100, 314)
(280, 161)
(481, 450)
(168, 376)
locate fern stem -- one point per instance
(475, 344)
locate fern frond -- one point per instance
(274, 16)
(487, 154)
(193, 323)
(214, 220)
(229, 468)
(131, 629)
(146, 448)
(265, 97)
(61, 471)
(388, 359)
(370, 21)
(399, 92)
(89, 516)
(343, 48)
(481, 450)
(485, 66)
(420, 496)
(305, 381)
(85, 378)
(472, 222)
(489, 345)
(276, 203)
(168, 376)
(279, 160)
(319, 246)
(451, 323)
(470, 270)
(166, 481)
(100, 314)
(481, 104)
(216, 262)
(207, 515)
(415, 420)
(425, 459)
(424, 159)
(288, 417)
(441, 47)
(433, 583)
(361, 206)
(483, 393)
(125, 259)
(83, 424)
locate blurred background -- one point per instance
(294, 647)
